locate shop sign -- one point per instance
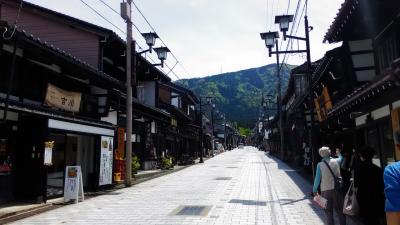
(48, 153)
(73, 184)
(119, 152)
(174, 122)
(153, 127)
(106, 160)
(396, 131)
(66, 100)
(323, 104)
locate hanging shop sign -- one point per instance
(66, 100)
(48, 153)
(106, 160)
(323, 104)
(396, 131)
(73, 184)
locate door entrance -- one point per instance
(69, 150)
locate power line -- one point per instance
(99, 14)
(136, 27)
(162, 41)
(285, 57)
(272, 14)
(116, 12)
(15, 23)
(287, 10)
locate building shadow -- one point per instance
(302, 184)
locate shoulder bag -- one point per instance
(338, 180)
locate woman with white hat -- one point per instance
(325, 179)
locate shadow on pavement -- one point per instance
(304, 185)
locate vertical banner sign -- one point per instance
(396, 131)
(48, 153)
(106, 160)
(73, 184)
(119, 153)
(323, 104)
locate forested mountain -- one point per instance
(238, 94)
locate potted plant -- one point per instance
(135, 164)
(166, 163)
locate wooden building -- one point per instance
(63, 82)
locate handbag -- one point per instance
(350, 206)
(321, 201)
(338, 180)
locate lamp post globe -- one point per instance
(150, 39)
(162, 53)
(269, 38)
(284, 21)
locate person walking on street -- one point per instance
(391, 179)
(325, 179)
(368, 181)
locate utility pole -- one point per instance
(279, 103)
(310, 94)
(212, 125)
(126, 14)
(225, 133)
(201, 134)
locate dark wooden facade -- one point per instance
(75, 56)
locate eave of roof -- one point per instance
(51, 113)
(321, 69)
(85, 26)
(72, 59)
(184, 90)
(340, 21)
(151, 109)
(388, 80)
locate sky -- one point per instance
(207, 37)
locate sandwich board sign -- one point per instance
(73, 185)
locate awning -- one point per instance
(81, 128)
(363, 93)
(53, 114)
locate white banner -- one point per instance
(106, 160)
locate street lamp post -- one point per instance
(212, 126)
(201, 126)
(270, 39)
(126, 14)
(225, 147)
(201, 134)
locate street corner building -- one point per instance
(355, 90)
(62, 103)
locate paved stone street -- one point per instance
(243, 186)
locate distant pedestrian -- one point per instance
(326, 181)
(392, 191)
(368, 181)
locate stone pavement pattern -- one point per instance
(243, 186)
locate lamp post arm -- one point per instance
(148, 50)
(288, 52)
(295, 37)
(159, 64)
